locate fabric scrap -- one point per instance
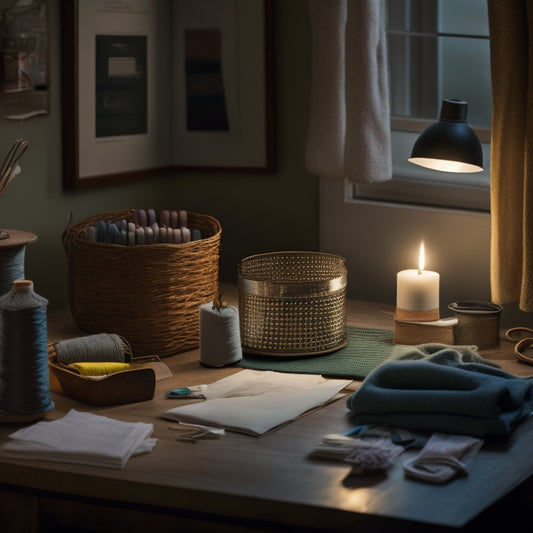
(443, 458)
(83, 438)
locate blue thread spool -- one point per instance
(24, 378)
(12, 254)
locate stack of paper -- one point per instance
(83, 438)
(254, 402)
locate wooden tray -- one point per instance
(128, 386)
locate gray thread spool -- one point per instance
(101, 347)
(220, 340)
(24, 384)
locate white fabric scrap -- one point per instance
(372, 455)
(334, 447)
(443, 458)
(364, 454)
(83, 438)
(254, 401)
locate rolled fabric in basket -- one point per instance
(220, 340)
(182, 218)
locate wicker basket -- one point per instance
(149, 294)
(292, 303)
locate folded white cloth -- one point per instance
(83, 438)
(254, 402)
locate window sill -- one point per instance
(409, 191)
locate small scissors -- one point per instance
(523, 337)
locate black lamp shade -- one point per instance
(450, 144)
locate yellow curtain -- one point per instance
(511, 53)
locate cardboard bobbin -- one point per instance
(437, 331)
(408, 315)
(421, 327)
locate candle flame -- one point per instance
(421, 259)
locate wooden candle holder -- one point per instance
(437, 331)
(406, 315)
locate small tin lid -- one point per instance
(475, 308)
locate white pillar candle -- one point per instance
(417, 289)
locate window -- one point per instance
(437, 49)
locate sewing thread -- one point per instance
(220, 339)
(11, 267)
(98, 369)
(101, 347)
(24, 382)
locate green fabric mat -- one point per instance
(366, 349)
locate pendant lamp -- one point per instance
(449, 145)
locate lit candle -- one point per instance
(417, 292)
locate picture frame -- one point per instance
(142, 97)
(24, 61)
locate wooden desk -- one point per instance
(241, 483)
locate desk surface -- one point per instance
(271, 479)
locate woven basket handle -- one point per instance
(65, 237)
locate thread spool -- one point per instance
(24, 381)
(220, 339)
(101, 347)
(12, 255)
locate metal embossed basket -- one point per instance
(292, 303)
(149, 294)
(478, 323)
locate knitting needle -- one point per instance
(9, 166)
(18, 148)
(195, 434)
(8, 156)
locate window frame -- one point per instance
(435, 191)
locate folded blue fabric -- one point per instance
(443, 393)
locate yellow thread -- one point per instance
(98, 369)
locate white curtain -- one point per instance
(349, 124)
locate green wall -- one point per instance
(258, 212)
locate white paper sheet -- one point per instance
(254, 402)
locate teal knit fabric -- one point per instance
(365, 350)
(443, 393)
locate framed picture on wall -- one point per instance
(149, 87)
